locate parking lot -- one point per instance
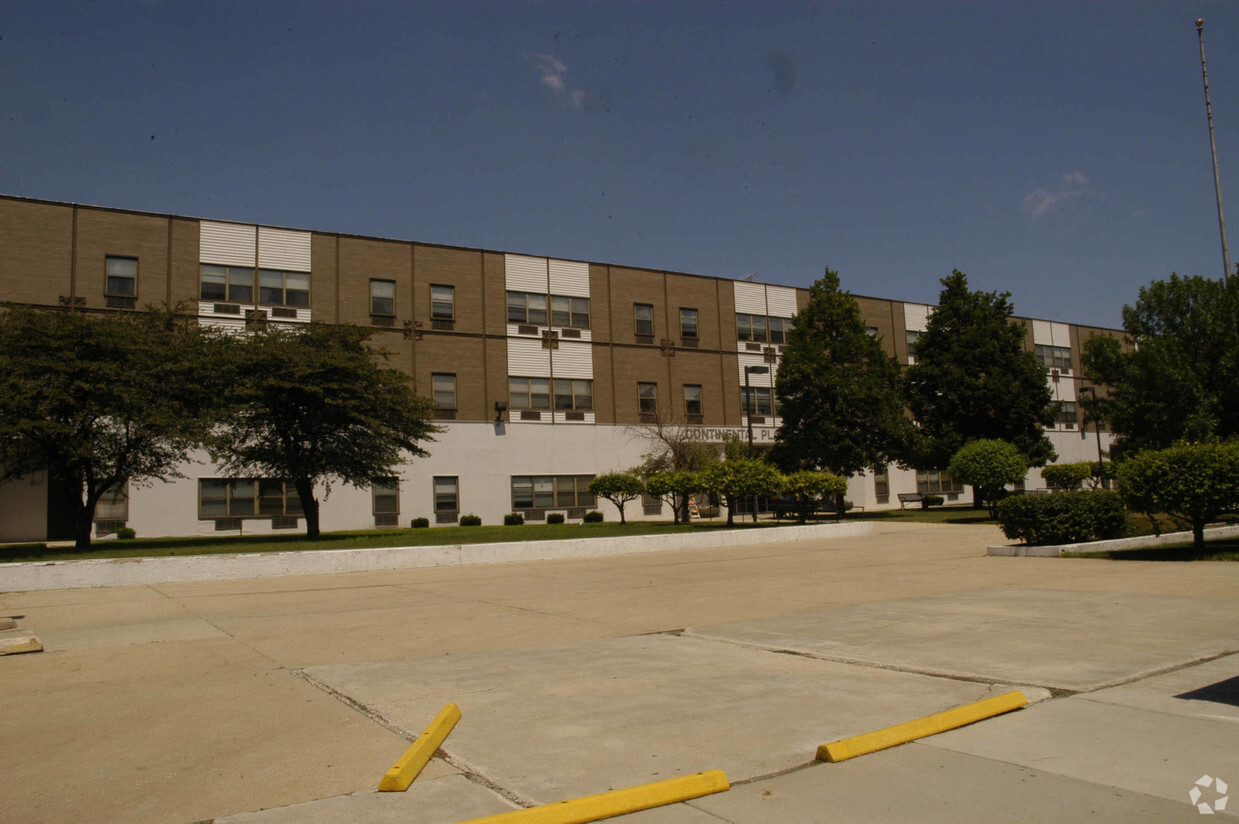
(283, 700)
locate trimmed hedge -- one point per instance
(555, 517)
(593, 517)
(513, 519)
(126, 533)
(1064, 517)
(470, 520)
(419, 523)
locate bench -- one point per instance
(906, 498)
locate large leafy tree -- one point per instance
(99, 401)
(1180, 379)
(838, 389)
(312, 405)
(740, 478)
(973, 380)
(1194, 482)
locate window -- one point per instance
(529, 393)
(647, 398)
(913, 336)
(114, 505)
(574, 395)
(122, 277)
(231, 283)
(283, 288)
(382, 297)
(692, 400)
(546, 491)
(643, 319)
(1054, 357)
(385, 494)
(751, 328)
(688, 323)
(1067, 412)
(526, 308)
(246, 498)
(758, 401)
(779, 329)
(570, 312)
(882, 485)
(442, 302)
(447, 494)
(444, 388)
(936, 482)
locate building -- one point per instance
(544, 372)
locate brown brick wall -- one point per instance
(102, 233)
(458, 268)
(362, 260)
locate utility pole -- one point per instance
(1217, 177)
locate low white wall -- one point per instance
(111, 572)
(1118, 544)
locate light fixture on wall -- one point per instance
(500, 408)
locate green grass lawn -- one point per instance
(1223, 549)
(435, 536)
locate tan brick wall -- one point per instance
(362, 260)
(687, 292)
(639, 364)
(102, 233)
(458, 268)
(705, 369)
(324, 279)
(599, 302)
(879, 313)
(495, 278)
(460, 355)
(35, 243)
(629, 287)
(186, 242)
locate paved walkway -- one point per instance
(189, 702)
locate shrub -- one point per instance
(593, 517)
(987, 466)
(1065, 518)
(1068, 475)
(470, 520)
(419, 523)
(1195, 482)
(555, 518)
(511, 519)
(931, 500)
(126, 533)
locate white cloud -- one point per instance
(1073, 186)
(554, 75)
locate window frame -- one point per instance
(937, 482)
(526, 318)
(382, 489)
(374, 310)
(548, 492)
(688, 402)
(573, 395)
(229, 284)
(756, 408)
(437, 302)
(290, 502)
(1053, 357)
(576, 319)
(637, 320)
(647, 398)
(690, 329)
(529, 393)
(434, 390)
(284, 289)
(435, 493)
(108, 276)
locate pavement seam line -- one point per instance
(1055, 692)
(1141, 676)
(467, 770)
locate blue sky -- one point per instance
(1056, 151)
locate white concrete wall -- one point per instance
(23, 508)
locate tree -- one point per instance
(838, 390)
(1177, 377)
(988, 466)
(1194, 482)
(675, 488)
(740, 478)
(808, 487)
(312, 405)
(100, 401)
(619, 488)
(973, 380)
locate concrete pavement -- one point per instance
(286, 699)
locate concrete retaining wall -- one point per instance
(112, 572)
(1143, 542)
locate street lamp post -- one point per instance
(1217, 177)
(748, 397)
(1101, 466)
